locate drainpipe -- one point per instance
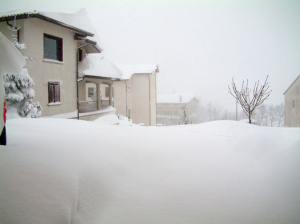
(77, 77)
(149, 101)
(126, 86)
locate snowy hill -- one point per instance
(68, 171)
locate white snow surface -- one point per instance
(110, 119)
(68, 171)
(129, 70)
(12, 61)
(174, 97)
(99, 66)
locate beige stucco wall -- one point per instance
(120, 97)
(292, 114)
(153, 99)
(136, 98)
(82, 90)
(41, 71)
(143, 98)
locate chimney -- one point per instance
(180, 98)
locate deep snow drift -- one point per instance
(67, 171)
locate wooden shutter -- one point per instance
(53, 92)
(57, 92)
(50, 93)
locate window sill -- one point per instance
(52, 61)
(54, 104)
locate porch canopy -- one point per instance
(95, 67)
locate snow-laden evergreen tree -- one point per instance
(18, 87)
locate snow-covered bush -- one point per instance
(18, 91)
(18, 88)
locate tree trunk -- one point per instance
(249, 113)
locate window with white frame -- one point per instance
(106, 91)
(53, 92)
(91, 92)
(53, 47)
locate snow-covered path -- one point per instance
(66, 171)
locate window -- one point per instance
(80, 55)
(167, 112)
(53, 92)
(106, 91)
(293, 104)
(53, 47)
(91, 92)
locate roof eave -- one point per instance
(45, 18)
(291, 85)
(100, 77)
(91, 43)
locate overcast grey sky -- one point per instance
(199, 45)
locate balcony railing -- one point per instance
(87, 106)
(104, 103)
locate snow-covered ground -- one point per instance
(69, 171)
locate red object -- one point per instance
(4, 111)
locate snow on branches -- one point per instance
(18, 91)
(250, 103)
(184, 115)
(18, 84)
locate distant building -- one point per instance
(292, 104)
(170, 108)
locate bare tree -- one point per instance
(250, 103)
(271, 113)
(184, 115)
(213, 111)
(227, 115)
(279, 113)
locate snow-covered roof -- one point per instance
(129, 70)
(77, 21)
(174, 97)
(96, 65)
